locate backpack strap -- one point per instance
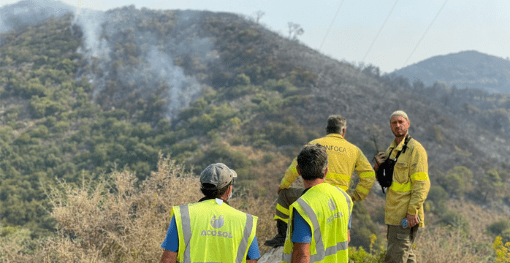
(404, 148)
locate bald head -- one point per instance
(399, 113)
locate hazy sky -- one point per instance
(461, 25)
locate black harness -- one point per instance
(384, 174)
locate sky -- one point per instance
(389, 34)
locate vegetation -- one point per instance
(77, 124)
(118, 218)
(501, 250)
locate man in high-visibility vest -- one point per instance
(211, 230)
(407, 192)
(343, 157)
(319, 219)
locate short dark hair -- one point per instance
(336, 124)
(211, 191)
(312, 161)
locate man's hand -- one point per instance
(412, 220)
(379, 159)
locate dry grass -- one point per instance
(115, 219)
(443, 245)
(118, 219)
(437, 244)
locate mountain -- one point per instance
(464, 69)
(30, 12)
(88, 93)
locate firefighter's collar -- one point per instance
(400, 145)
(336, 135)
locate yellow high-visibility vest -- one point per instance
(210, 232)
(326, 209)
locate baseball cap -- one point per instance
(217, 174)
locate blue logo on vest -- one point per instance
(331, 204)
(217, 223)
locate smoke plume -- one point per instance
(131, 54)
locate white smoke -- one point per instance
(147, 70)
(104, 34)
(3, 26)
(182, 89)
(90, 22)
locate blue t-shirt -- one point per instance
(171, 242)
(302, 233)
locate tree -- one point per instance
(295, 30)
(458, 181)
(258, 15)
(372, 70)
(492, 186)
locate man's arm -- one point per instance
(420, 182)
(253, 251)
(169, 257)
(290, 176)
(366, 177)
(301, 253)
(301, 237)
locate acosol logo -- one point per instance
(331, 204)
(217, 223)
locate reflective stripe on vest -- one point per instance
(319, 246)
(243, 247)
(347, 198)
(186, 229)
(398, 187)
(329, 251)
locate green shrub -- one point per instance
(23, 139)
(456, 221)
(242, 79)
(498, 227)
(363, 228)
(505, 235)
(41, 107)
(267, 158)
(436, 194)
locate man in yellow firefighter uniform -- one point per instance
(211, 230)
(319, 219)
(408, 190)
(343, 157)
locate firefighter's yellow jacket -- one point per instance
(343, 159)
(410, 185)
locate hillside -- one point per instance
(88, 93)
(464, 69)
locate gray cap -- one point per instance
(217, 174)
